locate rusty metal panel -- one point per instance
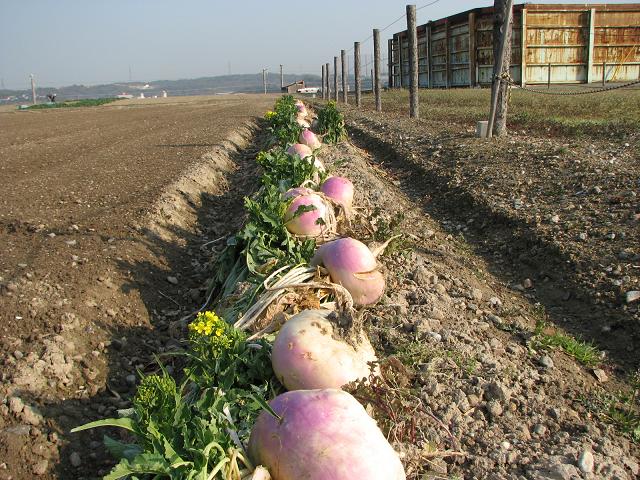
(439, 56)
(559, 73)
(558, 34)
(423, 62)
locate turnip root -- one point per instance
(351, 264)
(340, 190)
(302, 109)
(308, 138)
(308, 353)
(305, 152)
(296, 192)
(300, 149)
(322, 435)
(312, 223)
(300, 120)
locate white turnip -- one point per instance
(351, 264)
(308, 353)
(322, 435)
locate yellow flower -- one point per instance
(269, 115)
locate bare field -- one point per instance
(79, 265)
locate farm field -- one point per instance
(79, 268)
(508, 325)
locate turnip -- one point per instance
(308, 353)
(302, 122)
(351, 264)
(302, 109)
(296, 192)
(312, 223)
(303, 151)
(322, 435)
(308, 138)
(340, 190)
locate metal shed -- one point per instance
(571, 43)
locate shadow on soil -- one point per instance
(513, 251)
(133, 349)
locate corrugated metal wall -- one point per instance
(563, 43)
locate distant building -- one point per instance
(560, 43)
(293, 87)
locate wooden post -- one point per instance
(327, 82)
(390, 62)
(345, 75)
(376, 68)
(447, 57)
(264, 80)
(523, 49)
(604, 73)
(549, 76)
(429, 57)
(356, 72)
(373, 87)
(591, 44)
(501, 62)
(400, 61)
(472, 49)
(414, 106)
(335, 78)
(324, 78)
(33, 89)
(281, 78)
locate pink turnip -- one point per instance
(302, 109)
(322, 435)
(303, 151)
(296, 192)
(340, 190)
(308, 353)
(308, 224)
(351, 264)
(308, 138)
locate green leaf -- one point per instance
(151, 463)
(126, 423)
(121, 450)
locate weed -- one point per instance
(621, 409)
(584, 352)
(331, 124)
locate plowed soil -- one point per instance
(86, 195)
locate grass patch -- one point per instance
(611, 113)
(89, 102)
(621, 409)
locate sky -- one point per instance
(90, 42)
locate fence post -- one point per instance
(549, 76)
(33, 90)
(281, 77)
(376, 68)
(414, 107)
(390, 62)
(264, 80)
(604, 73)
(502, 57)
(327, 82)
(324, 91)
(335, 78)
(356, 72)
(345, 74)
